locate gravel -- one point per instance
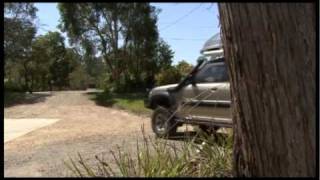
(84, 128)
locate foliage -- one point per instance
(170, 75)
(19, 31)
(22, 11)
(50, 62)
(164, 56)
(201, 156)
(78, 78)
(12, 97)
(13, 86)
(114, 46)
(184, 68)
(173, 74)
(124, 34)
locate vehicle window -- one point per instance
(214, 72)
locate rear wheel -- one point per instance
(163, 123)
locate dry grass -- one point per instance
(201, 156)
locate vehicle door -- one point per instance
(209, 95)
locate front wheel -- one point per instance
(163, 123)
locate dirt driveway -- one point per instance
(83, 127)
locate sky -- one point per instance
(184, 26)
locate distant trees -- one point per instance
(173, 74)
(19, 31)
(78, 77)
(49, 63)
(113, 45)
(184, 68)
(126, 36)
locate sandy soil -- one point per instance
(84, 127)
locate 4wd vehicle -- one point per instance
(202, 98)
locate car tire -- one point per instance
(162, 126)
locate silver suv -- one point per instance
(202, 98)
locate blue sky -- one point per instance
(184, 26)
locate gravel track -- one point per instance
(84, 127)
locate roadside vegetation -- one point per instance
(11, 98)
(198, 156)
(133, 102)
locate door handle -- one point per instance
(214, 89)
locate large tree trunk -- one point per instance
(270, 52)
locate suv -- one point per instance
(202, 98)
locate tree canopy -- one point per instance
(125, 34)
(113, 45)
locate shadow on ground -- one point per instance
(108, 100)
(17, 98)
(101, 98)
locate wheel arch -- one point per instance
(163, 99)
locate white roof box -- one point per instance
(213, 43)
(214, 54)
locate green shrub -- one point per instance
(13, 87)
(184, 68)
(78, 79)
(168, 76)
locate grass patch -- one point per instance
(133, 102)
(200, 156)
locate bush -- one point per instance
(184, 68)
(168, 76)
(78, 78)
(102, 81)
(201, 156)
(13, 87)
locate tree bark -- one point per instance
(270, 52)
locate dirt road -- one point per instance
(83, 127)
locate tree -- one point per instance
(124, 34)
(39, 64)
(59, 65)
(164, 56)
(51, 60)
(19, 31)
(161, 64)
(270, 52)
(170, 75)
(184, 68)
(17, 48)
(96, 24)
